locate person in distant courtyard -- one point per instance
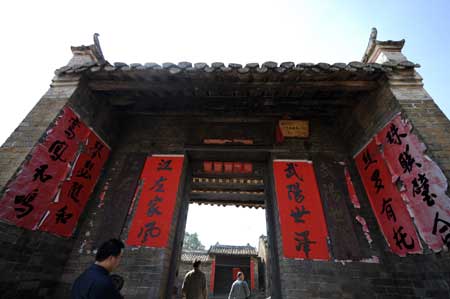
(239, 288)
(194, 284)
(95, 282)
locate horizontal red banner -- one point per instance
(227, 167)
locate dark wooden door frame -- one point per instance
(270, 211)
(185, 186)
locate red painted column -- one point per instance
(252, 274)
(212, 277)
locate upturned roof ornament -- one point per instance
(98, 50)
(370, 44)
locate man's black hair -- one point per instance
(196, 263)
(112, 247)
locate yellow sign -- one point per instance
(294, 128)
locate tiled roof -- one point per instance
(250, 68)
(189, 256)
(233, 250)
(97, 65)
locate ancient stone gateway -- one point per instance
(350, 162)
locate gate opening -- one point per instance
(227, 240)
(226, 225)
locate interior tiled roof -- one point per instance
(232, 250)
(190, 256)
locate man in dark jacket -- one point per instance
(194, 284)
(95, 282)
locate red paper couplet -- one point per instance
(40, 197)
(228, 167)
(72, 126)
(248, 168)
(386, 202)
(218, 167)
(153, 217)
(424, 183)
(63, 140)
(237, 167)
(207, 166)
(303, 228)
(27, 197)
(62, 216)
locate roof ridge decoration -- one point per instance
(84, 57)
(98, 50)
(373, 42)
(90, 59)
(370, 44)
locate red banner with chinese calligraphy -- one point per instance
(41, 180)
(36, 184)
(153, 217)
(424, 184)
(386, 202)
(27, 197)
(63, 214)
(303, 228)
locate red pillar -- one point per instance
(252, 274)
(213, 275)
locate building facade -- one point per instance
(221, 263)
(349, 161)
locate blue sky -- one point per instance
(36, 37)
(425, 25)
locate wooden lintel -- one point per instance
(229, 187)
(234, 148)
(222, 203)
(107, 85)
(225, 197)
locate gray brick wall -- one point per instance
(31, 262)
(145, 269)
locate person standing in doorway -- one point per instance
(95, 282)
(239, 288)
(194, 284)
